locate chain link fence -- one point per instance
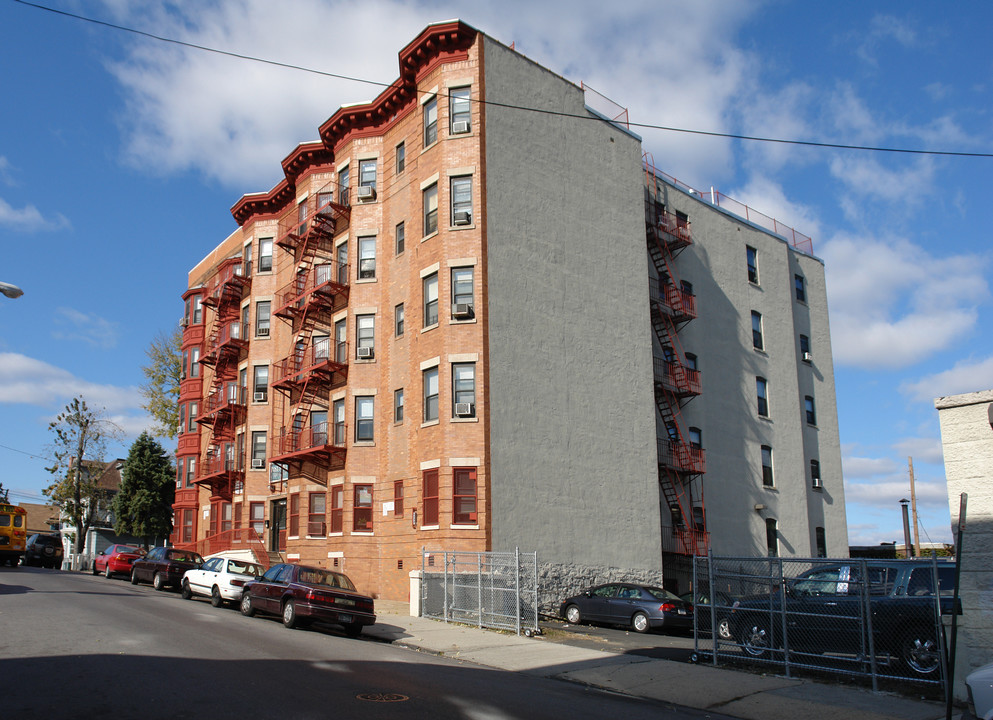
(486, 589)
(873, 619)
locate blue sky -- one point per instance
(120, 157)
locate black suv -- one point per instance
(43, 550)
(823, 611)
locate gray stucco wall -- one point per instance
(572, 443)
(726, 412)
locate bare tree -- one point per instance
(164, 373)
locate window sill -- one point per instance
(429, 236)
(765, 418)
(315, 537)
(472, 419)
(428, 147)
(470, 321)
(771, 488)
(335, 534)
(471, 226)
(429, 423)
(365, 533)
(364, 281)
(292, 537)
(429, 527)
(261, 337)
(364, 443)
(760, 351)
(363, 361)
(465, 527)
(429, 327)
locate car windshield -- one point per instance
(127, 549)
(245, 568)
(184, 556)
(660, 594)
(317, 576)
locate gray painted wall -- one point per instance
(573, 460)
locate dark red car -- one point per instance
(164, 566)
(116, 559)
(301, 594)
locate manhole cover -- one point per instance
(382, 697)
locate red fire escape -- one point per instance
(225, 402)
(304, 435)
(680, 457)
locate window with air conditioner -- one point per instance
(459, 110)
(365, 336)
(462, 293)
(464, 389)
(260, 385)
(263, 313)
(366, 192)
(461, 188)
(367, 179)
(805, 348)
(258, 448)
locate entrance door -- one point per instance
(277, 529)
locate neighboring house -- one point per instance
(41, 518)
(967, 445)
(460, 325)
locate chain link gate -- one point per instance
(486, 589)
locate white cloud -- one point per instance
(887, 491)
(862, 467)
(91, 329)
(966, 376)
(769, 197)
(25, 380)
(29, 218)
(926, 450)
(5, 177)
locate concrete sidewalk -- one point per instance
(719, 690)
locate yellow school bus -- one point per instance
(13, 533)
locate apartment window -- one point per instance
(772, 537)
(192, 423)
(401, 158)
(265, 255)
(398, 320)
(187, 526)
(464, 496)
(195, 362)
(365, 335)
(263, 311)
(430, 394)
(805, 348)
(343, 186)
(767, 479)
(398, 498)
(820, 540)
(815, 474)
(691, 361)
(247, 260)
(364, 430)
(182, 417)
(429, 498)
(399, 238)
(464, 390)
(367, 174)
(260, 386)
(801, 292)
(752, 261)
(430, 293)
(367, 258)
(316, 526)
(258, 449)
(191, 470)
(462, 287)
(362, 509)
(341, 342)
(256, 517)
(431, 121)
(756, 330)
(762, 392)
(294, 515)
(459, 110)
(337, 508)
(398, 405)
(461, 188)
(341, 259)
(197, 309)
(430, 206)
(808, 404)
(696, 438)
(338, 413)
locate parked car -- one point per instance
(164, 566)
(116, 559)
(220, 579)
(43, 551)
(979, 683)
(823, 613)
(702, 611)
(301, 594)
(642, 607)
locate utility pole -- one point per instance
(913, 508)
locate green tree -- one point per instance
(143, 506)
(163, 374)
(80, 441)
(4, 494)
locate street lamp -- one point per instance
(11, 291)
(906, 528)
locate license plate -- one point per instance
(342, 618)
(681, 611)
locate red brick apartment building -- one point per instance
(433, 333)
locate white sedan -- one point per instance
(220, 579)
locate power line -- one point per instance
(646, 126)
(22, 452)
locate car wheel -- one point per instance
(215, 597)
(639, 622)
(246, 605)
(724, 629)
(107, 573)
(756, 640)
(290, 615)
(573, 615)
(158, 582)
(95, 572)
(353, 629)
(920, 652)
(187, 591)
(134, 577)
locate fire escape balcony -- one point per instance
(313, 363)
(319, 286)
(228, 284)
(224, 404)
(676, 455)
(675, 302)
(672, 230)
(314, 444)
(312, 224)
(220, 473)
(673, 377)
(227, 342)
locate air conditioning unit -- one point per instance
(366, 192)
(262, 332)
(464, 410)
(807, 357)
(363, 352)
(260, 397)
(817, 484)
(461, 310)
(462, 218)
(258, 463)
(462, 126)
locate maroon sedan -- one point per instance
(301, 594)
(116, 559)
(164, 566)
